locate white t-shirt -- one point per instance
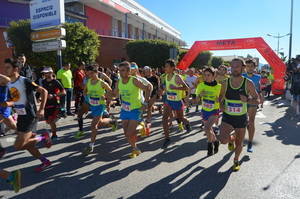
(191, 80)
(18, 95)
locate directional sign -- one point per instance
(49, 46)
(48, 34)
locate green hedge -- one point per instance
(149, 52)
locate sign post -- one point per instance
(47, 17)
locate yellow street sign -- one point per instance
(48, 34)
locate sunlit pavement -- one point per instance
(181, 171)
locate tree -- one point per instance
(149, 52)
(216, 62)
(202, 60)
(82, 44)
(182, 53)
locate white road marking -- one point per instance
(266, 103)
(260, 115)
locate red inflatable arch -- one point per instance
(234, 44)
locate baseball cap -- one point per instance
(147, 68)
(134, 66)
(47, 70)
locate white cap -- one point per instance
(147, 68)
(47, 70)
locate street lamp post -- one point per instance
(278, 37)
(291, 29)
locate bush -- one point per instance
(216, 62)
(202, 60)
(149, 52)
(82, 44)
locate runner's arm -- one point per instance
(108, 91)
(147, 88)
(106, 78)
(116, 90)
(179, 81)
(44, 94)
(254, 97)
(4, 80)
(61, 89)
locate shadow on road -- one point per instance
(205, 181)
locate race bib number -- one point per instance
(171, 96)
(234, 108)
(126, 106)
(94, 101)
(208, 104)
(20, 109)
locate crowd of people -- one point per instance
(230, 97)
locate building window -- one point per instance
(114, 26)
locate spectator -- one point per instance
(79, 76)
(64, 75)
(25, 69)
(295, 89)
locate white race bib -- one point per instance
(94, 101)
(208, 104)
(171, 96)
(126, 106)
(20, 109)
(234, 108)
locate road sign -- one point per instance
(48, 34)
(46, 13)
(49, 46)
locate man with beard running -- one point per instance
(236, 93)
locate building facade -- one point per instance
(115, 21)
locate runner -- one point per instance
(222, 74)
(264, 82)
(191, 81)
(252, 108)
(174, 87)
(5, 112)
(85, 105)
(79, 75)
(209, 93)
(95, 90)
(55, 91)
(236, 92)
(129, 88)
(22, 94)
(154, 80)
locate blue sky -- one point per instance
(227, 19)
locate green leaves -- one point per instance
(149, 52)
(82, 44)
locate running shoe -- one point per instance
(79, 134)
(114, 124)
(135, 153)
(250, 147)
(236, 166)
(187, 110)
(54, 137)
(47, 140)
(87, 150)
(209, 149)
(230, 146)
(188, 128)
(216, 147)
(16, 180)
(180, 126)
(43, 166)
(166, 143)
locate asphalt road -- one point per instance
(182, 171)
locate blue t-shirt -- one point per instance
(4, 94)
(255, 78)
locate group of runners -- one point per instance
(232, 98)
